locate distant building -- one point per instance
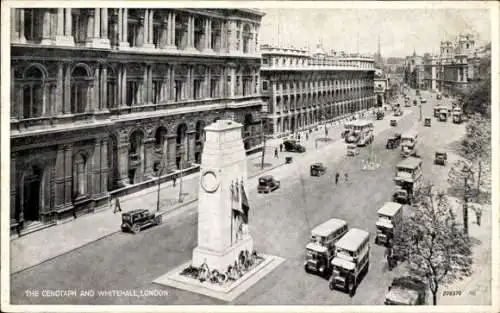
(381, 87)
(303, 89)
(414, 71)
(457, 65)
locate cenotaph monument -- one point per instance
(224, 264)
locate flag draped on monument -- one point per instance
(244, 204)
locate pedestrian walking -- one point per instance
(73, 211)
(174, 179)
(307, 136)
(337, 175)
(298, 137)
(276, 153)
(20, 224)
(478, 216)
(281, 146)
(118, 207)
(346, 177)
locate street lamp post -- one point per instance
(180, 178)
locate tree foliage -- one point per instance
(434, 248)
(477, 98)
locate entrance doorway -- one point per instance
(31, 194)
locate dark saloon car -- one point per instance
(318, 169)
(136, 220)
(293, 146)
(267, 184)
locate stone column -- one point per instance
(124, 29)
(15, 25)
(164, 37)
(172, 31)
(208, 34)
(171, 88)
(68, 175)
(68, 21)
(97, 23)
(190, 37)
(104, 167)
(96, 103)
(67, 89)
(60, 22)
(46, 34)
(231, 36)
(171, 152)
(104, 88)
(122, 151)
(190, 146)
(59, 89)
(232, 80)
(104, 24)
(148, 155)
(124, 85)
(120, 25)
(148, 29)
(149, 84)
(95, 170)
(59, 177)
(145, 88)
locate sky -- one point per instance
(352, 30)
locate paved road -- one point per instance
(280, 223)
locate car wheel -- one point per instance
(136, 228)
(306, 268)
(331, 285)
(123, 229)
(158, 220)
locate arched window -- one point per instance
(160, 134)
(80, 175)
(33, 92)
(80, 83)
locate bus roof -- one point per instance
(327, 227)
(389, 208)
(352, 239)
(361, 123)
(410, 163)
(410, 133)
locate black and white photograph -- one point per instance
(321, 155)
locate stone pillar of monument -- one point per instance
(223, 163)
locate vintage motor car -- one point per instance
(415, 102)
(401, 196)
(389, 220)
(394, 123)
(293, 146)
(443, 115)
(380, 115)
(393, 141)
(422, 100)
(439, 97)
(427, 122)
(318, 169)
(440, 158)
(267, 184)
(406, 291)
(352, 150)
(138, 219)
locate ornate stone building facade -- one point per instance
(304, 89)
(454, 68)
(103, 98)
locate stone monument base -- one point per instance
(227, 291)
(221, 260)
